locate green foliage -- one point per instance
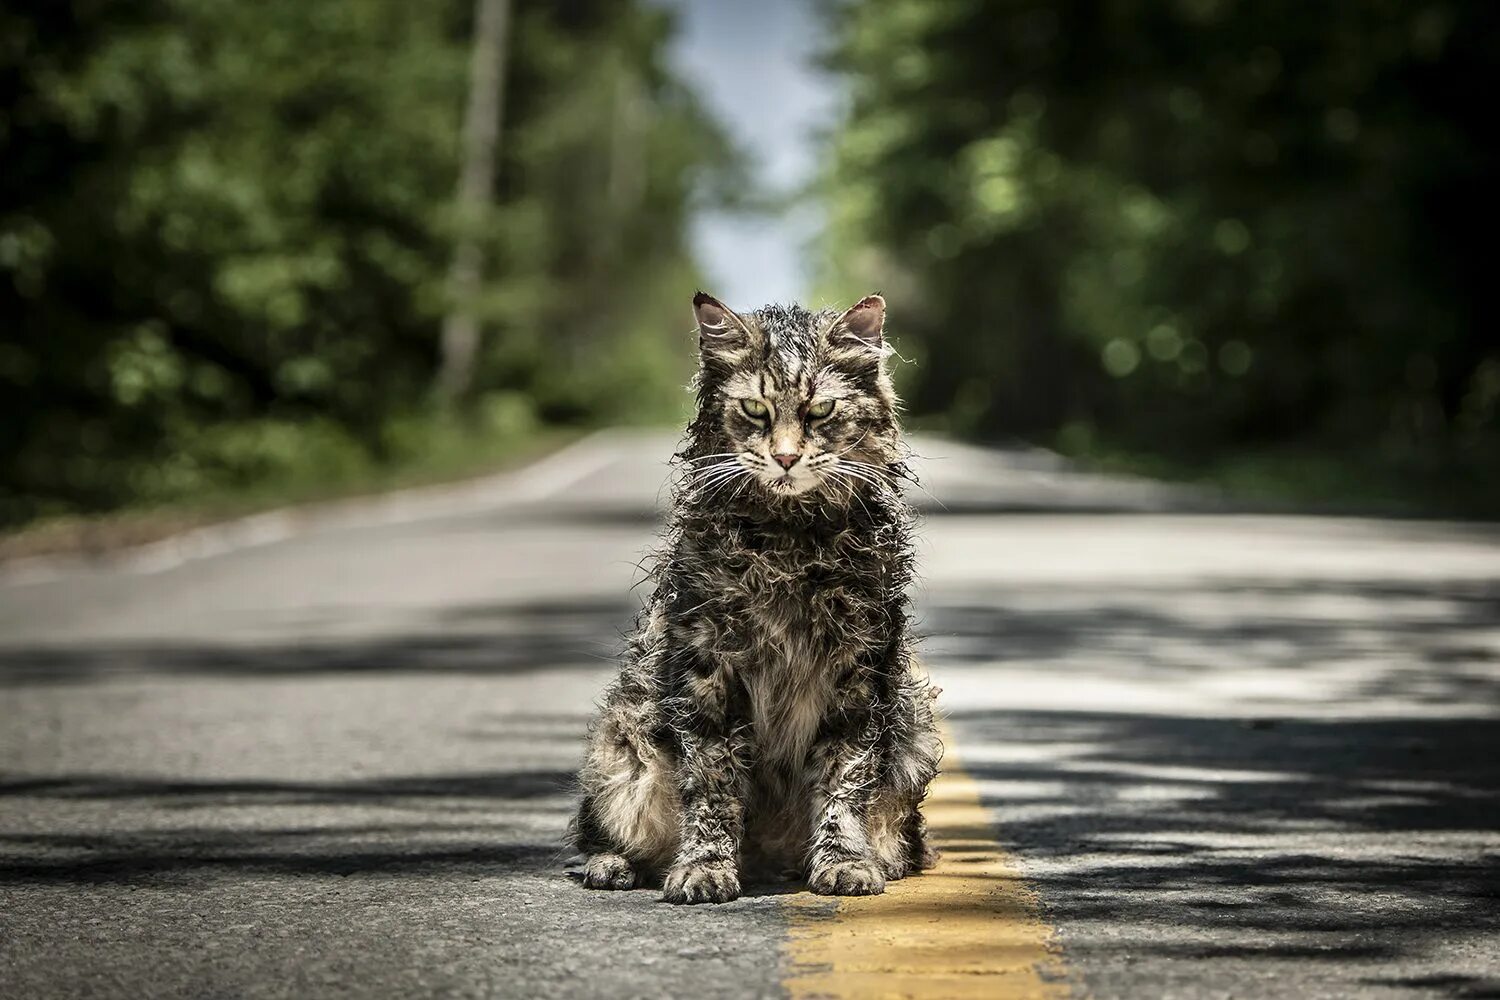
(1182, 226)
(225, 228)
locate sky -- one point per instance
(752, 64)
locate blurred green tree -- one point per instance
(224, 229)
(1180, 227)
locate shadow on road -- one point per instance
(475, 639)
(1426, 642)
(1433, 643)
(462, 826)
(202, 855)
(1165, 838)
(152, 830)
(489, 786)
(1332, 832)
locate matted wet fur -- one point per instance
(769, 714)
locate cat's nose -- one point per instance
(786, 461)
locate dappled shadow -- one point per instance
(1150, 834)
(1209, 776)
(1170, 838)
(1433, 642)
(502, 785)
(1255, 775)
(199, 855)
(496, 638)
(464, 823)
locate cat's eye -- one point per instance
(820, 409)
(754, 408)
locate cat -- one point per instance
(770, 714)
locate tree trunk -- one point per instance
(476, 184)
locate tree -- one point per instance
(225, 229)
(475, 188)
(1177, 227)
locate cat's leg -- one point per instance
(898, 837)
(912, 752)
(713, 779)
(706, 869)
(628, 819)
(608, 870)
(888, 823)
(916, 760)
(841, 775)
(868, 774)
(918, 844)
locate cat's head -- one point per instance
(793, 403)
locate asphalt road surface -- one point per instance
(328, 754)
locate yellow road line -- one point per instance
(967, 928)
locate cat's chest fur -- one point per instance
(792, 613)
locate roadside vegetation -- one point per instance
(1235, 243)
(1245, 243)
(225, 230)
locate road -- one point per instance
(329, 754)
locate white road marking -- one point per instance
(539, 481)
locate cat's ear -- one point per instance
(719, 329)
(863, 323)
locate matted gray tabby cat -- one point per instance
(769, 714)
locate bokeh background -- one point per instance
(1240, 243)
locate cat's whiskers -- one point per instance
(704, 488)
(903, 475)
(717, 483)
(871, 466)
(696, 475)
(722, 484)
(741, 488)
(853, 491)
(722, 475)
(884, 476)
(866, 473)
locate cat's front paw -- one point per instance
(847, 878)
(701, 884)
(608, 871)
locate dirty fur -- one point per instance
(769, 715)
